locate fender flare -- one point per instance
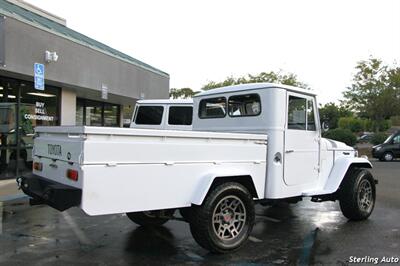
(339, 171)
(208, 179)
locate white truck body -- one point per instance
(171, 114)
(127, 170)
(249, 142)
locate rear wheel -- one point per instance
(151, 218)
(357, 194)
(225, 219)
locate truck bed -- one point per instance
(126, 170)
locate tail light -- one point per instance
(37, 166)
(72, 174)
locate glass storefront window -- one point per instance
(22, 108)
(93, 113)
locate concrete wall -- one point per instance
(68, 107)
(78, 66)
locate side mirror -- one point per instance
(325, 126)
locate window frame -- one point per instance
(213, 117)
(307, 98)
(237, 116)
(86, 102)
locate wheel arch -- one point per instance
(340, 168)
(211, 181)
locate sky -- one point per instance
(209, 40)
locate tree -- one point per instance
(331, 113)
(273, 77)
(375, 92)
(182, 93)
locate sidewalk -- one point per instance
(9, 190)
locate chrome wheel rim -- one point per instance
(229, 218)
(388, 157)
(364, 196)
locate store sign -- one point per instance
(104, 92)
(40, 113)
(39, 76)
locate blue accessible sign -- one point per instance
(39, 76)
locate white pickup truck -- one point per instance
(252, 143)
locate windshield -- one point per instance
(388, 139)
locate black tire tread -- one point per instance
(347, 196)
(200, 215)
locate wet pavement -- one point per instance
(303, 233)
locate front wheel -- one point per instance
(225, 219)
(151, 218)
(387, 157)
(357, 194)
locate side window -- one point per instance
(297, 113)
(244, 105)
(180, 115)
(396, 140)
(212, 108)
(310, 116)
(149, 115)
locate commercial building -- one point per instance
(85, 82)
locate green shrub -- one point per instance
(378, 125)
(343, 135)
(378, 138)
(395, 120)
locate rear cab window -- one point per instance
(212, 108)
(180, 115)
(244, 105)
(149, 115)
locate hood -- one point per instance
(335, 145)
(376, 146)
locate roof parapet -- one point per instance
(39, 11)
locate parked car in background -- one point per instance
(365, 138)
(388, 150)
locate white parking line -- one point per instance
(255, 239)
(78, 232)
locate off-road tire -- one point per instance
(357, 188)
(151, 218)
(203, 227)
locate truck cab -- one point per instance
(299, 160)
(163, 114)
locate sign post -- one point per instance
(39, 76)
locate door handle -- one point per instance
(289, 151)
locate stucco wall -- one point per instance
(78, 66)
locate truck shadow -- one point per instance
(154, 241)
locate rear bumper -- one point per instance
(44, 191)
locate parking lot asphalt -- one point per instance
(303, 233)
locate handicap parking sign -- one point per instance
(39, 76)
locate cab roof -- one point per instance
(166, 101)
(253, 86)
